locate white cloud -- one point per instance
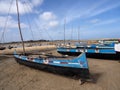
(47, 20)
(6, 4)
(89, 10)
(110, 21)
(95, 12)
(100, 22)
(94, 21)
(47, 16)
(37, 2)
(11, 23)
(53, 23)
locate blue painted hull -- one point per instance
(65, 71)
(88, 50)
(77, 67)
(95, 52)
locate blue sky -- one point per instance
(44, 19)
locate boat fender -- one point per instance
(85, 50)
(96, 50)
(76, 50)
(46, 61)
(117, 47)
(68, 50)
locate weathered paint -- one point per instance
(79, 62)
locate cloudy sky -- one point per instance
(45, 19)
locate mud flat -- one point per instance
(13, 76)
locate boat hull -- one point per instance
(2, 48)
(92, 55)
(69, 53)
(101, 53)
(65, 71)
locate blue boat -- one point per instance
(74, 67)
(93, 49)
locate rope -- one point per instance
(37, 25)
(29, 6)
(29, 22)
(4, 29)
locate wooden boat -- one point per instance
(93, 48)
(2, 48)
(77, 66)
(97, 50)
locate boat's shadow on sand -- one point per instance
(95, 77)
(92, 77)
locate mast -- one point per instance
(78, 34)
(64, 30)
(20, 27)
(72, 33)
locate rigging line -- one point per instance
(29, 21)
(4, 29)
(49, 35)
(38, 26)
(29, 6)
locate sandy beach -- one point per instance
(13, 76)
(32, 30)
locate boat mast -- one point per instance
(20, 27)
(72, 33)
(78, 34)
(64, 30)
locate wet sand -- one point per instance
(13, 76)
